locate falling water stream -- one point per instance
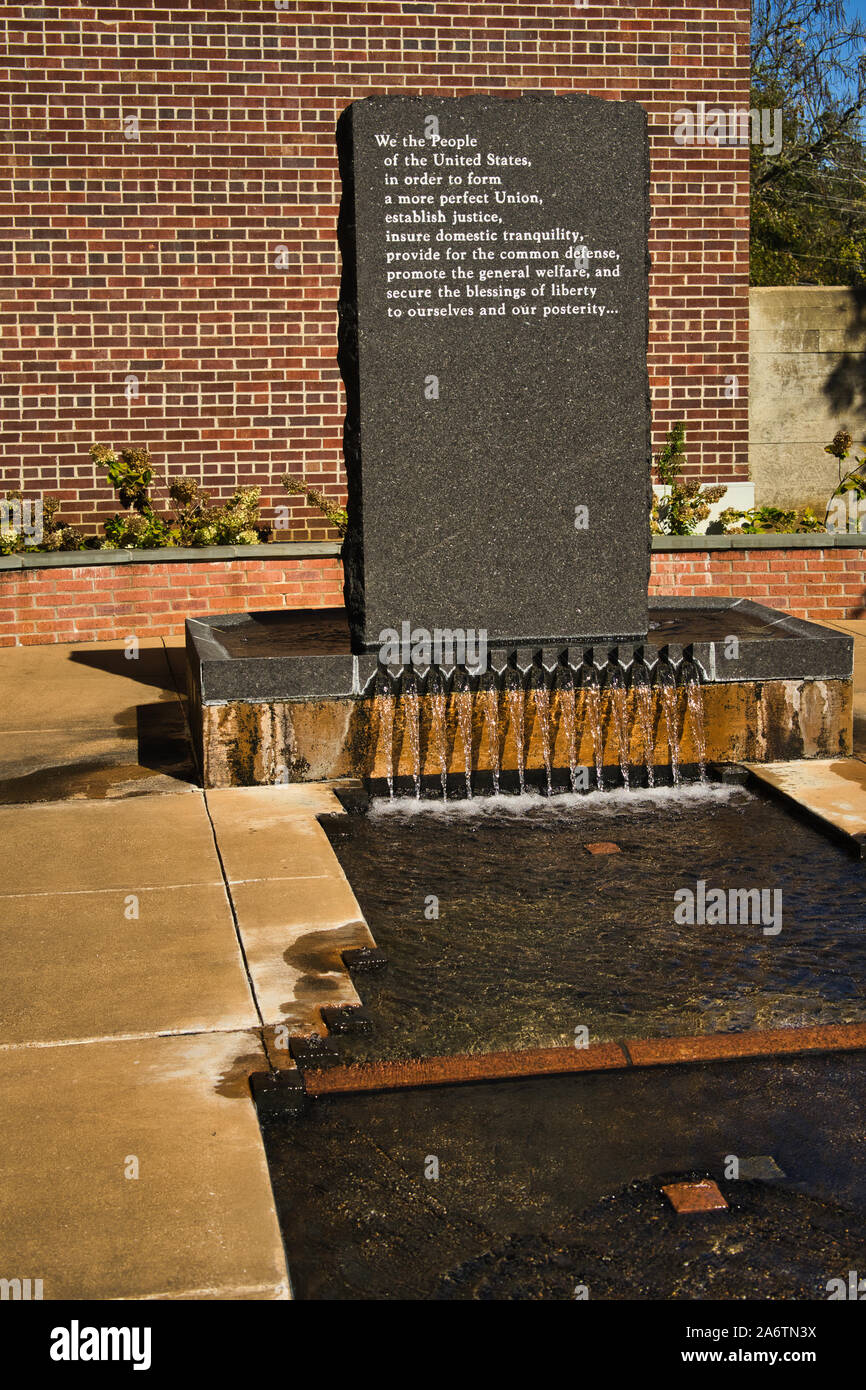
(516, 704)
(438, 729)
(619, 711)
(463, 697)
(491, 720)
(567, 705)
(644, 698)
(565, 682)
(412, 708)
(667, 689)
(384, 703)
(695, 699)
(592, 705)
(541, 697)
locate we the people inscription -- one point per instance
(493, 318)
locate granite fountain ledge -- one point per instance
(282, 697)
(307, 654)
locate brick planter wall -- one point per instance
(821, 580)
(110, 599)
(155, 257)
(152, 598)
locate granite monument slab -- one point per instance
(493, 340)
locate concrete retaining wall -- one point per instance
(807, 380)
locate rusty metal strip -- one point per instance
(482, 1066)
(554, 1061)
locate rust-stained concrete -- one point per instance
(832, 790)
(300, 741)
(856, 628)
(687, 1197)
(388, 1075)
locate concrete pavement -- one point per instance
(152, 945)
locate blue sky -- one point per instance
(856, 9)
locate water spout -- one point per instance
(640, 697)
(667, 688)
(615, 684)
(642, 687)
(565, 688)
(592, 704)
(690, 677)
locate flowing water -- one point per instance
(439, 733)
(695, 705)
(570, 709)
(644, 700)
(463, 698)
(541, 697)
(553, 1183)
(592, 706)
(516, 698)
(412, 717)
(535, 934)
(490, 697)
(567, 706)
(384, 705)
(619, 712)
(668, 693)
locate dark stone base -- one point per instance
(282, 698)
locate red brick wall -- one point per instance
(102, 602)
(155, 258)
(821, 584)
(108, 602)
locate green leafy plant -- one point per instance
(687, 503)
(336, 515)
(130, 472)
(136, 532)
(768, 520)
(190, 508)
(236, 522)
(56, 533)
(193, 521)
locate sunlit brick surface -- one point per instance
(155, 258)
(814, 583)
